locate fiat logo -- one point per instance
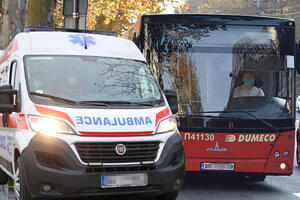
(120, 149)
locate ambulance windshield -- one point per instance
(91, 79)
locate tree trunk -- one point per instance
(17, 14)
(40, 12)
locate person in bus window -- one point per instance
(248, 88)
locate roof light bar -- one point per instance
(53, 29)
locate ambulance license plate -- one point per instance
(217, 166)
(124, 180)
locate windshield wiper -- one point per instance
(267, 124)
(209, 116)
(130, 102)
(158, 102)
(55, 98)
(106, 103)
(94, 103)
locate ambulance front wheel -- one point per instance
(297, 154)
(298, 148)
(3, 178)
(20, 186)
(167, 196)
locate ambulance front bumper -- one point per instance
(52, 162)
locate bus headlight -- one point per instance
(49, 126)
(167, 125)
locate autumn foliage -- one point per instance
(117, 15)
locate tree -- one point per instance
(17, 14)
(223, 6)
(283, 8)
(276, 8)
(117, 15)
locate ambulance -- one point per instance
(82, 115)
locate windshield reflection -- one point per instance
(91, 79)
(223, 68)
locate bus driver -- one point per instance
(248, 88)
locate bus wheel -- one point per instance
(20, 187)
(167, 196)
(3, 177)
(257, 177)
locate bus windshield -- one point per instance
(219, 70)
(92, 80)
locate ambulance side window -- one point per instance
(14, 75)
(4, 75)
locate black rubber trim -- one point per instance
(232, 130)
(219, 19)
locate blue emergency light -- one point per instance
(53, 29)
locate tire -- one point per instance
(297, 154)
(20, 186)
(3, 177)
(298, 150)
(257, 178)
(167, 196)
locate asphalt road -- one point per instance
(227, 187)
(234, 188)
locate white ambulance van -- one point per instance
(82, 115)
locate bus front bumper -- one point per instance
(244, 166)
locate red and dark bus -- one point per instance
(204, 59)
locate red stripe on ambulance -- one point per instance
(117, 133)
(54, 113)
(11, 49)
(161, 115)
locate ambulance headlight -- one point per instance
(49, 126)
(167, 125)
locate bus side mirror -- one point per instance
(172, 100)
(7, 94)
(297, 60)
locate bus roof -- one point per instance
(218, 19)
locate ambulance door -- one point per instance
(13, 118)
(7, 128)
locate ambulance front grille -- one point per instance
(106, 153)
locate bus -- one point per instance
(234, 77)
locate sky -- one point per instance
(170, 8)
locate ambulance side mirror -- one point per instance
(172, 100)
(7, 94)
(297, 59)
